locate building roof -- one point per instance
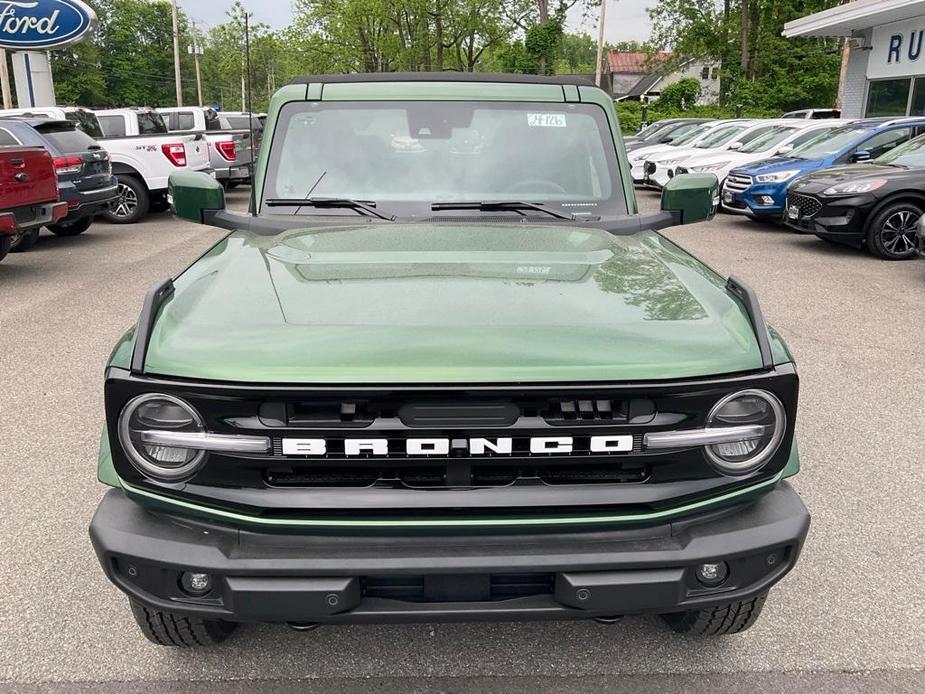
(634, 62)
(845, 19)
(644, 85)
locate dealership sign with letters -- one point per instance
(40, 25)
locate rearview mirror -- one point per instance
(860, 155)
(736, 145)
(692, 196)
(192, 193)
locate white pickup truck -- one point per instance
(232, 153)
(144, 154)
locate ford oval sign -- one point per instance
(38, 25)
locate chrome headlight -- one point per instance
(758, 420)
(778, 177)
(147, 416)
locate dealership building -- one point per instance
(883, 67)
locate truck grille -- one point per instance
(738, 182)
(806, 204)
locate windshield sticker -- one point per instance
(546, 120)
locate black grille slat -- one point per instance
(500, 587)
(808, 206)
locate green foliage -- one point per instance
(760, 69)
(681, 95)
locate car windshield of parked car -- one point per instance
(720, 136)
(652, 130)
(68, 140)
(911, 154)
(767, 139)
(425, 152)
(835, 141)
(86, 121)
(690, 136)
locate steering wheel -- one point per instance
(535, 185)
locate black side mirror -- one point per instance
(860, 155)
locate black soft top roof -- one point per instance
(445, 77)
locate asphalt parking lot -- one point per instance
(851, 617)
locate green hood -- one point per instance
(442, 303)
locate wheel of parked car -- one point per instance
(5, 243)
(891, 233)
(78, 226)
(171, 629)
(26, 241)
(728, 618)
(133, 202)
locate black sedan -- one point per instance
(876, 204)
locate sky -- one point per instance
(626, 19)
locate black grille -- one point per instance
(464, 588)
(806, 204)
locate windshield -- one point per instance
(414, 154)
(656, 130)
(767, 140)
(835, 141)
(689, 136)
(911, 154)
(86, 121)
(68, 140)
(720, 137)
(151, 123)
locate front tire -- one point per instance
(78, 226)
(26, 241)
(176, 631)
(133, 203)
(891, 234)
(730, 618)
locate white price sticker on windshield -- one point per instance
(546, 120)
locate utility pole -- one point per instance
(196, 50)
(5, 80)
(176, 53)
(600, 44)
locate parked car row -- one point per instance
(113, 163)
(855, 182)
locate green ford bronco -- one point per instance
(444, 369)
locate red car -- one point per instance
(28, 193)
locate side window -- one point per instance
(113, 126)
(705, 73)
(185, 121)
(881, 143)
(7, 139)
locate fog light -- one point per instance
(765, 200)
(712, 575)
(195, 584)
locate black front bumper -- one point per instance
(264, 577)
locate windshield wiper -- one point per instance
(360, 206)
(495, 205)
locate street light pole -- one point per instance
(176, 53)
(600, 44)
(197, 51)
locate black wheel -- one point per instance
(730, 618)
(5, 243)
(78, 226)
(170, 629)
(891, 234)
(132, 204)
(26, 241)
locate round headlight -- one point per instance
(757, 408)
(158, 412)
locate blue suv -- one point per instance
(760, 189)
